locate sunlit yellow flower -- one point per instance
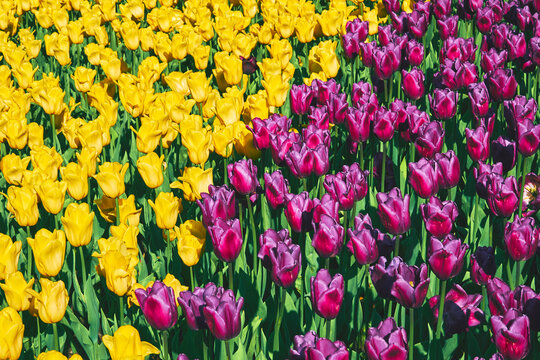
(49, 249)
(179, 46)
(129, 214)
(191, 237)
(35, 136)
(13, 167)
(231, 65)
(244, 141)
(223, 140)
(146, 36)
(127, 234)
(371, 16)
(52, 195)
(150, 70)
(198, 144)
(193, 182)
(75, 31)
(111, 178)
(111, 65)
(199, 86)
(177, 81)
(87, 158)
(126, 344)
(200, 56)
(51, 303)
(12, 334)
(305, 29)
(16, 132)
(57, 45)
(47, 160)
(9, 255)
(285, 25)
(243, 44)
(16, 291)
(150, 168)
(256, 105)
(167, 207)
(227, 111)
(76, 178)
(130, 33)
(148, 136)
(322, 57)
(118, 267)
(22, 203)
(78, 223)
(25, 74)
(163, 46)
(84, 78)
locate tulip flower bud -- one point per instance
(483, 265)
(111, 178)
(521, 238)
(478, 143)
(443, 103)
(413, 83)
(49, 249)
(158, 305)
(358, 122)
(222, 314)
(449, 170)
(363, 240)
(326, 205)
(219, 202)
(227, 238)
(328, 238)
(502, 84)
(276, 188)
(340, 189)
(150, 167)
(439, 216)
(327, 294)
(243, 176)
(337, 108)
(384, 124)
(76, 178)
(16, 291)
(414, 53)
(386, 341)
(52, 195)
(167, 207)
(191, 237)
(423, 178)
(503, 196)
(12, 334)
(511, 334)
(446, 256)
(286, 262)
(430, 139)
(479, 96)
(126, 343)
(78, 223)
(516, 45)
(394, 211)
(52, 301)
(387, 60)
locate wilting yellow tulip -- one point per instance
(126, 344)
(118, 267)
(83, 78)
(76, 178)
(167, 207)
(49, 249)
(194, 181)
(9, 256)
(22, 203)
(47, 160)
(198, 144)
(78, 223)
(16, 291)
(13, 167)
(322, 57)
(52, 194)
(191, 237)
(150, 168)
(51, 303)
(35, 136)
(11, 337)
(111, 178)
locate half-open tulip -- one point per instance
(126, 344)
(78, 223)
(327, 294)
(167, 207)
(52, 301)
(49, 249)
(446, 257)
(158, 305)
(511, 334)
(222, 315)
(227, 238)
(12, 334)
(111, 178)
(386, 341)
(191, 237)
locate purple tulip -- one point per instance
(280, 145)
(442, 8)
(389, 181)
(485, 175)
(222, 315)
(504, 150)
(298, 211)
(516, 45)
(319, 116)
(386, 60)
(466, 74)
(484, 20)
(413, 83)
(394, 211)
(327, 294)
(367, 50)
(430, 139)
(359, 27)
(479, 96)
(502, 298)
(483, 265)
(448, 27)
(286, 260)
(326, 205)
(183, 357)
(519, 110)
(263, 129)
(337, 107)
(458, 48)
(478, 143)
(220, 202)
(300, 160)
(327, 350)
(387, 341)
(323, 89)
(414, 53)
(358, 122)
(268, 241)
(521, 238)
(227, 238)
(492, 60)
(443, 103)
(383, 276)
(384, 124)
(192, 304)
(363, 240)
(392, 6)
(418, 23)
(328, 238)
(302, 343)
(449, 169)
(340, 189)
(502, 84)
(276, 188)
(439, 216)
(460, 311)
(249, 65)
(362, 95)
(243, 176)
(511, 334)
(351, 44)
(446, 257)
(399, 21)
(503, 196)
(411, 285)
(528, 137)
(358, 180)
(158, 305)
(535, 50)
(423, 178)
(415, 119)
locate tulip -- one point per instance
(460, 310)
(126, 343)
(439, 216)
(22, 203)
(414, 53)
(478, 143)
(366, 50)
(326, 349)
(386, 341)
(263, 129)
(150, 167)
(446, 256)
(166, 207)
(286, 262)
(519, 110)
(9, 255)
(423, 178)
(351, 43)
(410, 285)
(195, 181)
(484, 20)
(458, 48)
(76, 178)
(511, 334)
(198, 143)
(341, 190)
(413, 83)
(387, 60)
(483, 265)
(528, 137)
(502, 84)
(52, 195)
(227, 239)
(479, 96)
(52, 301)
(392, 6)
(314, 137)
(337, 108)
(384, 124)
(191, 237)
(443, 103)
(243, 176)
(219, 202)
(302, 343)
(78, 223)
(222, 314)
(503, 196)
(111, 178)
(394, 211)
(13, 167)
(326, 205)
(12, 335)
(430, 139)
(268, 241)
(492, 60)
(49, 249)
(276, 188)
(521, 238)
(383, 276)
(319, 116)
(328, 238)
(327, 294)
(358, 123)
(504, 150)
(448, 27)
(16, 291)
(363, 240)
(192, 304)
(298, 211)
(358, 179)
(158, 305)
(323, 89)
(418, 23)
(516, 45)
(485, 175)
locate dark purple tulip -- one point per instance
(386, 60)
(479, 96)
(474, 5)
(383, 276)
(496, 356)
(387, 341)
(367, 50)
(483, 265)
(502, 84)
(286, 263)
(389, 181)
(340, 189)
(392, 6)
(448, 27)
(411, 285)
(262, 129)
(249, 65)
(276, 188)
(298, 211)
(412, 83)
(337, 108)
(243, 176)
(220, 202)
(327, 350)
(301, 96)
(326, 205)
(516, 46)
(535, 50)
(503, 196)
(442, 8)
(423, 178)
(280, 145)
(430, 139)
(521, 238)
(328, 237)
(449, 170)
(439, 216)
(414, 53)
(493, 59)
(478, 143)
(394, 211)
(363, 240)
(424, 7)
(460, 310)
(504, 150)
(158, 305)
(418, 23)
(327, 294)
(268, 241)
(519, 110)
(485, 175)
(358, 179)
(458, 48)
(302, 343)
(384, 124)
(446, 257)
(484, 20)
(511, 334)
(497, 6)
(399, 108)
(351, 44)
(227, 238)
(443, 103)
(222, 315)
(399, 21)
(358, 122)
(528, 137)
(192, 304)
(321, 161)
(500, 33)
(300, 160)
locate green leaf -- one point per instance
(92, 304)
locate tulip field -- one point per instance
(269, 179)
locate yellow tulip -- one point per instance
(177, 81)
(249, 7)
(16, 291)
(25, 74)
(322, 57)
(305, 29)
(17, 131)
(256, 106)
(231, 65)
(49, 249)
(330, 21)
(285, 25)
(83, 78)
(150, 168)
(78, 223)
(146, 36)
(194, 181)
(11, 337)
(199, 86)
(276, 91)
(265, 33)
(179, 46)
(22, 203)
(57, 45)
(128, 235)
(372, 17)
(126, 344)
(111, 178)
(47, 160)
(200, 56)
(13, 167)
(150, 70)
(51, 303)
(128, 212)
(35, 136)
(87, 159)
(148, 136)
(48, 94)
(163, 46)
(191, 237)
(130, 33)
(76, 178)
(111, 65)
(52, 355)
(167, 207)
(76, 31)
(118, 267)
(9, 256)
(223, 139)
(243, 44)
(227, 111)
(52, 195)
(244, 141)
(198, 144)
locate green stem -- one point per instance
(83, 264)
(383, 172)
(169, 251)
(29, 255)
(279, 319)
(38, 334)
(518, 263)
(510, 277)
(484, 299)
(327, 263)
(121, 310)
(205, 348)
(441, 309)
(523, 176)
(411, 333)
(472, 237)
(396, 249)
(253, 234)
(225, 173)
(53, 130)
(301, 301)
(328, 328)
(361, 148)
(165, 341)
(320, 186)
(304, 184)
(117, 212)
(228, 349)
(231, 274)
(192, 278)
(55, 334)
